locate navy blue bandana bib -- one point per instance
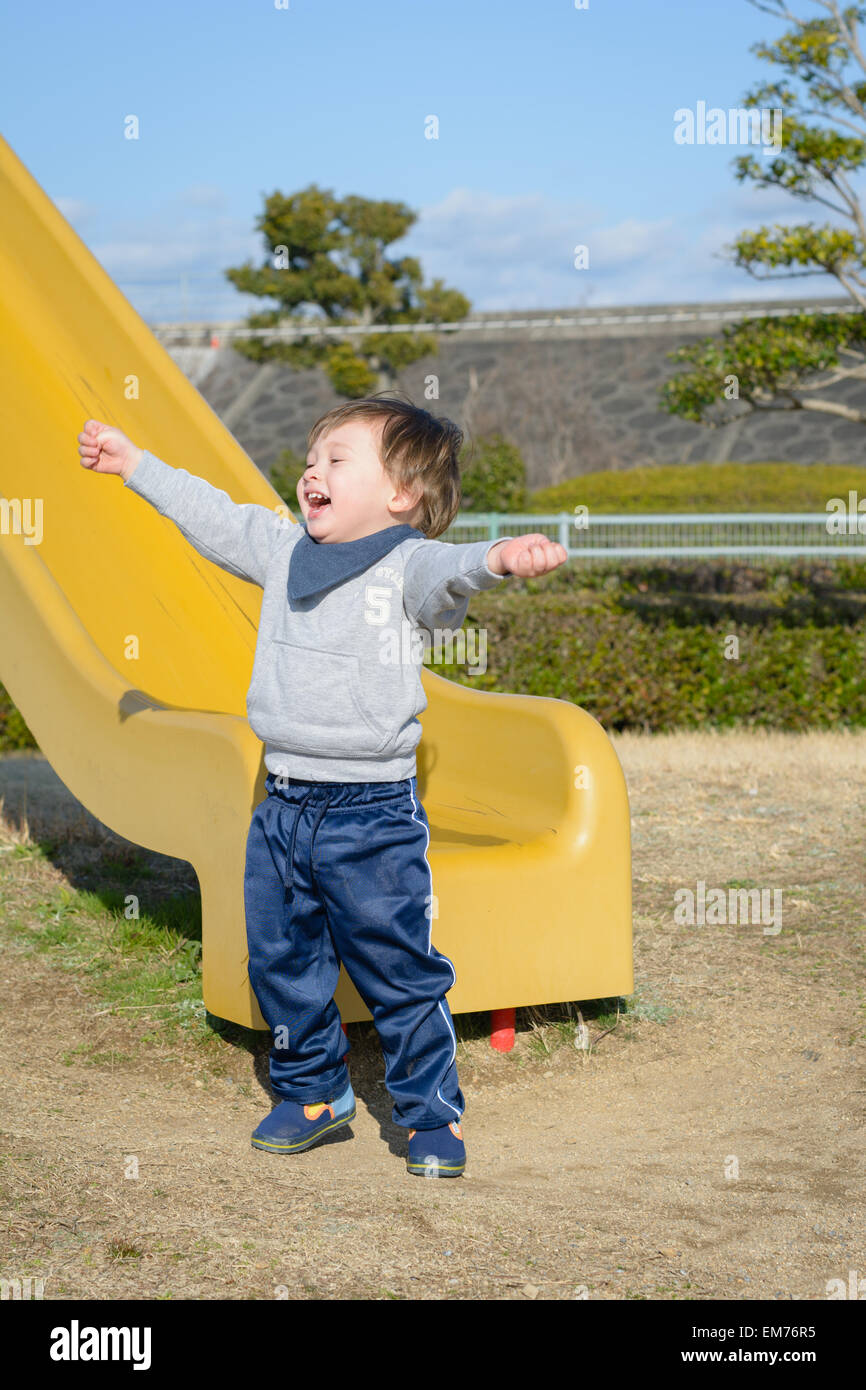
(316, 566)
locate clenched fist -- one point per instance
(106, 449)
(527, 556)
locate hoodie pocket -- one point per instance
(311, 701)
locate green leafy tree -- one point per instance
(493, 476)
(787, 362)
(329, 255)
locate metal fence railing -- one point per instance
(757, 535)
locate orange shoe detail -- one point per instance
(412, 1133)
(313, 1112)
(455, 1129)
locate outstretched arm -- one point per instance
(239, 537)
(440, 578)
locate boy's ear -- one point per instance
(407, 499)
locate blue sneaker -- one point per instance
(292, 1126)
(437, 1153)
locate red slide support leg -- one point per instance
(502, 1029)
(345, 1029)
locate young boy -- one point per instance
(336, 859)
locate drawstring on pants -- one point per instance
(288, 880)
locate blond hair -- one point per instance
(416, 447)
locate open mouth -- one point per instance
(317, 502)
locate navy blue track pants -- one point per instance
(338, 872)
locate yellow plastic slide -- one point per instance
(129, 656)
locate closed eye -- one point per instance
(333, 460)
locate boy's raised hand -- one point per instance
(106, 449)
(527, 556)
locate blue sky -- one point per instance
(555, 129)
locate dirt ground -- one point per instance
(715, 1155)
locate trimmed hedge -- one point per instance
(706, 487)
(642, 645)
(14, 733)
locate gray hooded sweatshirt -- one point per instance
(336, 681)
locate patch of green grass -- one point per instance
(123, 1250)
(538, 1045)
(645, 1004)
(561, 1034)
(606, 1020)
(87, 1054)
(148, 966)
(34, 851)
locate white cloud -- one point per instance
(631, 241)
(181, 275)
(517, 252)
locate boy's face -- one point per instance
(344, 466)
